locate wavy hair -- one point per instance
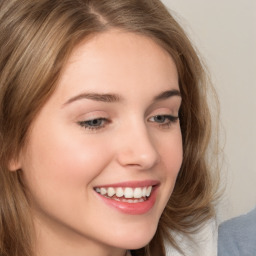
(37, 37)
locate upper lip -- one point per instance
(131, 184)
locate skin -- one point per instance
(63, 161)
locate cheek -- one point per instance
(58, 170)
(171, 155)
(171, 152)
(57, 162)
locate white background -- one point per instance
(224, 31)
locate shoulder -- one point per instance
(237, 236)
(204, 242)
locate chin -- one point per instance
(138, 238)
(137, 244)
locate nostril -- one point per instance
(137, 148)
(138, 159)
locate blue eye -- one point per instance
(164, 121)
(94, 124)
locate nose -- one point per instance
(137, 149)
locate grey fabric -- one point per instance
(237, 236)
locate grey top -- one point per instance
(237, 236)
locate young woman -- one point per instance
(104, 128)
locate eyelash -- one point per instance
(94, 125)
(163, 124)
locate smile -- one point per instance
(126, 194)
(131, 197)
(137, 197)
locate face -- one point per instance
(104, 152)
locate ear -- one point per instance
(14, 165)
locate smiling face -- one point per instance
(107, 136)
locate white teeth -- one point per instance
(137, 193)
(103, 191)
(131, 201)
(149, 189)
(119, 192)
(128, 193)
(144, 191)
(111, 192)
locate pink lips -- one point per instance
(132, 208)
(132, 184)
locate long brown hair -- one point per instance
(37, 37)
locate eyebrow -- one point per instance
(96, 97)
(111, 98)
(167, 94)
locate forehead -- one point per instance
(117, 60)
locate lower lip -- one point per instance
(131, 208)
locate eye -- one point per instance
(164, 121)
(94, 124)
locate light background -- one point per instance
(224, 31)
